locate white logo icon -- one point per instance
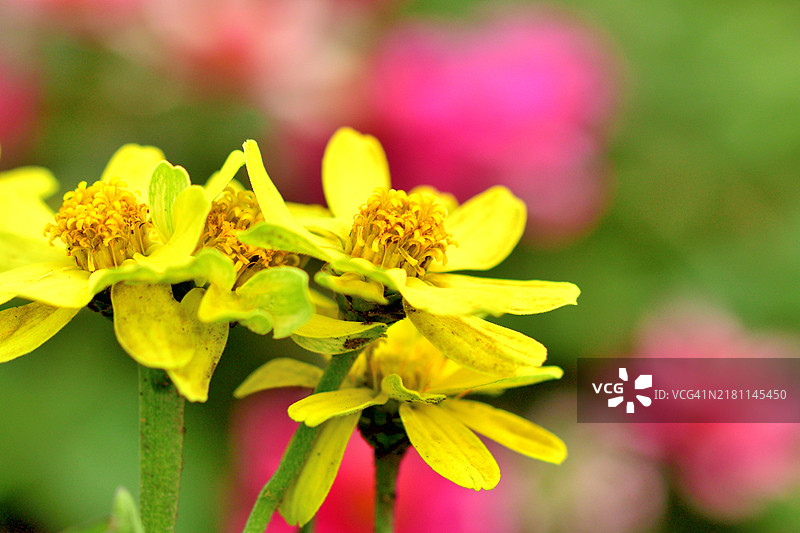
(644, 381)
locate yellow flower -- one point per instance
(390, 254)
(404, 376)
(106, 236)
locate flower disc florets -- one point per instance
(102, 225)
(394, 229)
(235, 211)
(405, 353)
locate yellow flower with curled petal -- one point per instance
(60, 261)
(106, 236)
(390, 254)
(405, 384)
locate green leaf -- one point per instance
(276, 236)
(208, 265)
(125, 516)
(166, 184)
(327, 335)
(274, 299)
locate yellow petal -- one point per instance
(508, 429)
(323, 305)
(353, 166)
(59, 283)
(480, 345)
(17, 250)
(394, 388)
(394, 278)
(25, 328)
(327, 335)
(192, 380)
(463, 300)
(352, 284)
(309, 211)
(220, 179)
(452, 294)
(281, 372)
(22, 211)
(156, 330)
(33, 181)
(317, 408)
(448, 447)
(464, 380)
(486, 229)
(305, 496)
(134, 165)
(270, 200)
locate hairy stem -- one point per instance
(161, 450)
(386, 468)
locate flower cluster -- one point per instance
(173, 264)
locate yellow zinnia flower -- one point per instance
(106, 235)
(390, 254)
(404, 379)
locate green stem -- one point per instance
(297, 451)
(386, 468)
(161, 450)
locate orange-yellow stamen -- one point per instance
(405, 353)
(235, 211)
(395, 229)
(102, 225)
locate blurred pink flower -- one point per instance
(608, 484)
(88, 17)
(521, 98)
(19, 110)
(728, 471)
(290, 57)
(426, 502)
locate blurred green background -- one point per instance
(705, 202)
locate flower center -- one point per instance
(404, 352)
(102, 225)
(236, 211)
(399, 230)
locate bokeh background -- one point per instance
(655, 143)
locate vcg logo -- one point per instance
(644, 381)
